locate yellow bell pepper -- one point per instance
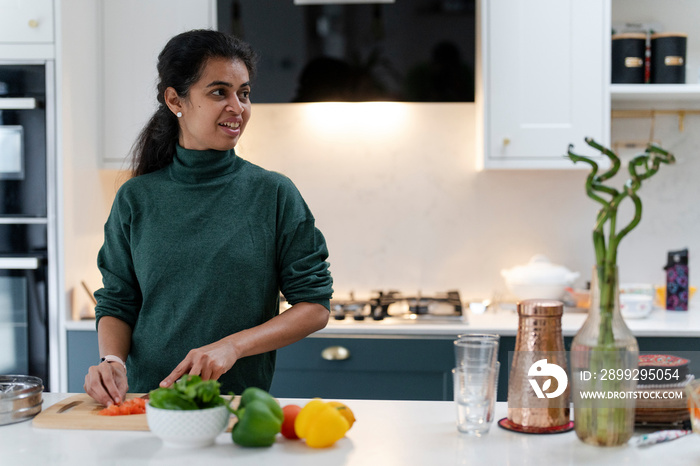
(320, 424)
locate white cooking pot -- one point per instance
(539, 279)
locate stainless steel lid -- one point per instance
(20, 398)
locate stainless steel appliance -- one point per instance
(27, 219)
(394, 304)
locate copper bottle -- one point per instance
(538, 386)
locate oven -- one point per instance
(23, 145)
(24, 325)
(27, 220)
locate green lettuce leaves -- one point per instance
(189, 392)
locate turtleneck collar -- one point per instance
(195, 166)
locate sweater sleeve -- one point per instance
(304, 274)
(120, 295)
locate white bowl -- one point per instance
(187, 428)
(635, 306)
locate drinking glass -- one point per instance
(476, 349)
(475, 388)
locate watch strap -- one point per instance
(112, 358)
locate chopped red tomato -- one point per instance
(134, 406)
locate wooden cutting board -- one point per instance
(80, 412)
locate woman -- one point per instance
(199, 243)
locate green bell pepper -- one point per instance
(259, 419)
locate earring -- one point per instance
(178, 114)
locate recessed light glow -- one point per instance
(370, 118)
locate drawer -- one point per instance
(382, 369)
(369, 354)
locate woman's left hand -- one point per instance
(210, 362)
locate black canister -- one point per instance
(628, 51)
(668, 58)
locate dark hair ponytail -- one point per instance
(180, 64)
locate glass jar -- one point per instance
(604, 355)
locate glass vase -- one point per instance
(604, 356)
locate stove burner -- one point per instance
(418, 309)
(380, 305)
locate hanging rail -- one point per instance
(653, 113)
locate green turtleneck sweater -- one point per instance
(200, 250)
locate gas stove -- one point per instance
(395, 304)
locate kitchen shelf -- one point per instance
(656, 95)
(17, 103)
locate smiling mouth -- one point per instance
(230, 124)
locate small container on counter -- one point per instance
(628, 50)
(677, 282)
(668, 51)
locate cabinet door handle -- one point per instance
(33, 23)
(506, 141)
(335, 353)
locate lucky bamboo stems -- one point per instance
(640, 168)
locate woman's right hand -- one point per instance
(106, 383)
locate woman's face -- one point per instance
(217, 108)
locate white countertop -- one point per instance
(660, 323)
(387, 433)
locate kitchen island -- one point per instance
(387, 433)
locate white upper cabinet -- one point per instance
(26, 21)
(544, 80)
(27, 29)
(133, 34)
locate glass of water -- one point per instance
(475, 388)
(476, 349)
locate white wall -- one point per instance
(87, 191)
(395, 191)
(402, 206)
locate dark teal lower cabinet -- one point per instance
(684, 347)
(82, 352)
(375, 368)
(408, 368)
